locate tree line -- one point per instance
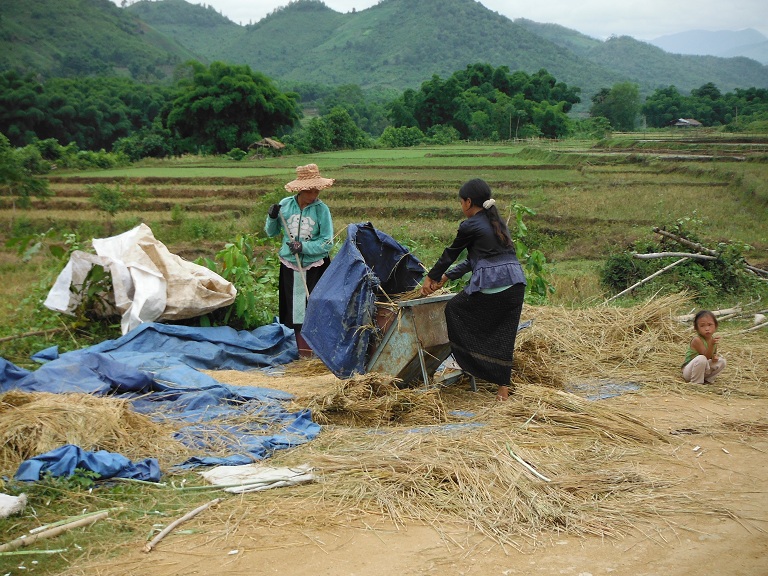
(222, 109)
(739, 110)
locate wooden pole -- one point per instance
(654, 255)
(700, 248)
(168, 529)
(644, 280)
(32, 538)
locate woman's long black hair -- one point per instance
(478, 191)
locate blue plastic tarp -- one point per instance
(63, 461)
(157, 367)
(342, 307)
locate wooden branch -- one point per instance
(703, 249)
(168, 529)
(35, 333)
(31, 539)
(684, 242)
(644, 280)
(653, 255)
(756, 327)
(72, 519)
(719, 314)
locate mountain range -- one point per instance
(726, 43)
(391, 46)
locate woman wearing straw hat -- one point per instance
(482, 320)
(307, 229)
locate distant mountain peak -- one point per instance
(725, 43)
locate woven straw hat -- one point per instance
(308, 178)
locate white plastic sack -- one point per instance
(150, 283)
(255, 477)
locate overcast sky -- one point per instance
(643, 20)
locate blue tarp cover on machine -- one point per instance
(342, 308)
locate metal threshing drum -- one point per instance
(416, 341)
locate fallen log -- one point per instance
(719, 314)
(685, 242)
(753, 328)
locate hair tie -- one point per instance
(488, 204)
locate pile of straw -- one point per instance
(533, 364)
(585, 455)
(35, 423)
(373, 400)
(602, 342)
(306, 367)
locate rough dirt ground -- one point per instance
(718, 445)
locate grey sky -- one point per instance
(644, 20)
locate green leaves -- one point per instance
(227, 106)
(254, 274)
(534, 262)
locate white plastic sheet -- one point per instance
(149, 282)
(255, 477)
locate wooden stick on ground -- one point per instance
(34, 333)
(756, 327)
(168, 529)
(27, 540)
(719, 314)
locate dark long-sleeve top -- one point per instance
(492, 265)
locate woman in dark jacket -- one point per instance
(482, 320)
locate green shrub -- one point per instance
(236, 154)
(254, 275)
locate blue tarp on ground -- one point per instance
(63, 461)
(342, 307)
(156, 367)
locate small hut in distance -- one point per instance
(264, 146)
(687, 123)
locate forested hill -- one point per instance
(401, 43)
(395, 44)
(84, 37)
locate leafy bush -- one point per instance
(145, 143)
(534, 262)
(254, 276)
(402, 137)
(442, 134)
(236, 154)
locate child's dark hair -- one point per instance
(701, 314)
(478, 191)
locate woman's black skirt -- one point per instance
(293, 295)
(482, 329)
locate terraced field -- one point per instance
(587, 200)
